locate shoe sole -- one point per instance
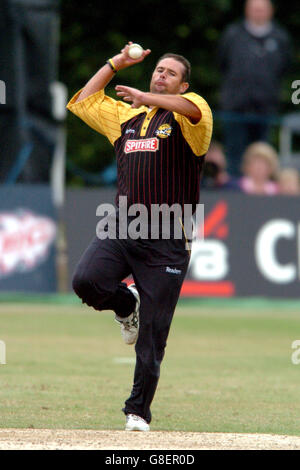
(135, 429)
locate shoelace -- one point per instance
(131, 323)
(135, 418)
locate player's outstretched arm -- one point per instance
(174, 103)
(101, 79)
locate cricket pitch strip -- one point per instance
(51, 439)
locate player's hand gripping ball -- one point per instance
(135, 51)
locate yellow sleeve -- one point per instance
(198, 135)
(102, 113)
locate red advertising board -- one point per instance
(27, 239)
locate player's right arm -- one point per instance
(102, 78)
(100, 112)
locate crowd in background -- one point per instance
(260, 170)
(254, 55)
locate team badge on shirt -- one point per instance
(164, 131)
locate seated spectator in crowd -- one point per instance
(259, 169)
(289, 182)
(215, 175)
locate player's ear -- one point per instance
(183, 87)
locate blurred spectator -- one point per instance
(260, 169)
(215, 170)
(289, 182)
(253, 55)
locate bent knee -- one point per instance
(90, 290)
(80, 284)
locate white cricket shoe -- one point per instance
(136, 423)
(130, 325)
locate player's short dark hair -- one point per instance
(187, 66)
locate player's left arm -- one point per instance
(190, 110)
(174, 103)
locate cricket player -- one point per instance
(160, 139)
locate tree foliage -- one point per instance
(93, 31)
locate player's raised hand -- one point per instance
(130, 94)
(124, 60)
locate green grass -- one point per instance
(227, 368)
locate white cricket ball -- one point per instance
(135, 51)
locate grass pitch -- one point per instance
(227, 367)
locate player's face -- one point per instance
(259, 11)
(167, 78)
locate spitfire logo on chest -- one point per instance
(142, 145)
